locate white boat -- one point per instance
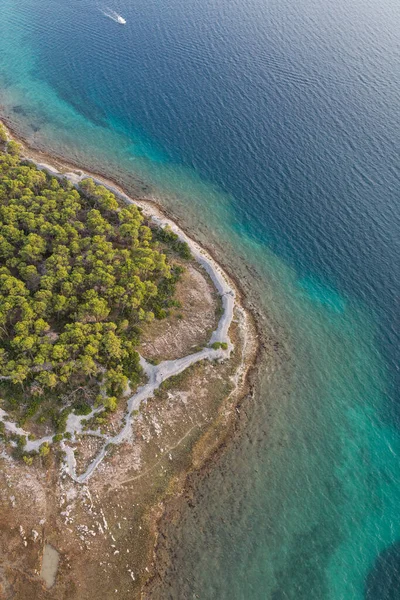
(111, 14)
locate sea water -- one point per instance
(271, 129)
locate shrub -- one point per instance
(44, 449)
(218, 345)
(110, 403)
(82, 408)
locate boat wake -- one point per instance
(111, 14)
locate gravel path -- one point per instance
(155, 374)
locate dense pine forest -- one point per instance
(80, 272)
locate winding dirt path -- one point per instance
(155, 374)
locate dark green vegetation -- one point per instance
(172, 239)
(79, 274)
(217, 345)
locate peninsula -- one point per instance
(123, 353)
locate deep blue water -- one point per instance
(275, 128)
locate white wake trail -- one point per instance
(111, 14)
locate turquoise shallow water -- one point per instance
(272, 130)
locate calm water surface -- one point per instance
(272, 129)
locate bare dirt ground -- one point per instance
(190, 325)
(106, 531)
